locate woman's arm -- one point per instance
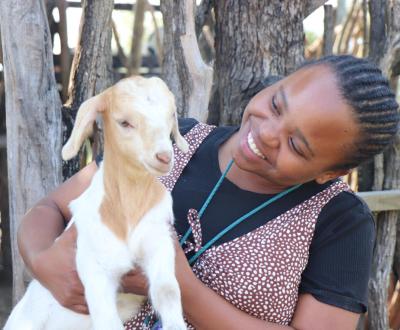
(53, 262)
(205, 309)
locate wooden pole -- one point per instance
(387, 172)
(183, 67)
(33, 114)
(252, 41)
(329, 33)
(135, 58)
(65, 55)
(91, 70)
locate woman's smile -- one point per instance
(250, 150)
(253, 147)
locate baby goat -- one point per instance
(124, 217)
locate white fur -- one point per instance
(102, 259)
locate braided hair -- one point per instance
(367, 91)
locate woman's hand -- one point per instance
(55, 269)
(135, 282)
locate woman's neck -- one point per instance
(241, 178)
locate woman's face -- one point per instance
(296, 130)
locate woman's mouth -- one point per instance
(253, 147)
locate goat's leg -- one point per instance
(100, 292)
(159, 266)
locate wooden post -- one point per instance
(91, 67)
(254, 40)
(387, 172)
(65, 57)
(183, 67)
(135, 58)
(33, 114)
(329, 33)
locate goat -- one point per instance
(123, 218)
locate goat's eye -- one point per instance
(125, 124)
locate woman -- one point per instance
(301, 252)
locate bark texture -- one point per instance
(329, 34)
(253, 40)
(137, 36)
(312, 5)
(385, 28)
(33, 114)
(5, 244)
(378, 35)
(91, 70)
(184, 70)
(65, 57)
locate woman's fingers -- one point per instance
(135, 282)
(81, 309)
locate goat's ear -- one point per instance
(179, 139)
(83, 125)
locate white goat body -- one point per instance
(107, 246)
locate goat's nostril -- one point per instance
(164, 157)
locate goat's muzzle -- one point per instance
(164, 157)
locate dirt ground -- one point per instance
(5, 298)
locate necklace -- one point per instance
(234, 223)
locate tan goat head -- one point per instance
(139, 116)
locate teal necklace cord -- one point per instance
(234, 223)
(208, 200)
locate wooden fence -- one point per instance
(377, 201)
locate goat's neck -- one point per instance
(118, 171)
(129, 193)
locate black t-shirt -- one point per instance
(340, 257)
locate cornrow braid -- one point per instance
(367, 91)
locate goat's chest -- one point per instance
(95, 240)
(98, 242)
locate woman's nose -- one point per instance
(270, 134)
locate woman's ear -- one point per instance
(330, 175)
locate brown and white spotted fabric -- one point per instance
(194, 222)
(194, 138)
(259, 272)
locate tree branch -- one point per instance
(312, 5)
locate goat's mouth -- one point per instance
(158, 169)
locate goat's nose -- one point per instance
(164, 157)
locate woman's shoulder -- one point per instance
(346, 211)
(186, 124)
(341, 254)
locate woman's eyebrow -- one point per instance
(284, 98)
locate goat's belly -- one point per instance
(38, 310)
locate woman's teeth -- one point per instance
(253, 146)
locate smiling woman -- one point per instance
(277, 241)
(298, 129)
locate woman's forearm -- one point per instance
(39, 227)
(205, 309)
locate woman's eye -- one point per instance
(125, 124)
(274, 106)
(294, 148)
